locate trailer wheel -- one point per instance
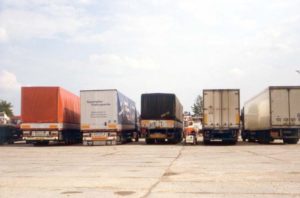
(263, 141)
(11, 141)
(206, 141)
(41, 143)
(173, 141)
(291, 141)
(149, 141)
(66, 142)
(234, 142)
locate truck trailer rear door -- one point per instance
(225, 108)
(280, 107)
(234, 109)
(294, 107)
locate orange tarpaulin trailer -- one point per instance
(50, 114)
(49, 105)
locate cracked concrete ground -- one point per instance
(139, 170)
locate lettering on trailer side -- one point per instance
(98, 114)
(98, 103)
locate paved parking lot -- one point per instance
(139, 170)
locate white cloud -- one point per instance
(44, 20)
(3, 35)
(88, 38)
(8, 81)
(145, 31)
(85, 2)
(105, 59)
(237, 72)
(146, 24)
(115, 64)
(205, 12)
(248, 24)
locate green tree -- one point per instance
(197, 107)
(6, 107)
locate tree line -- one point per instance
(6, 107)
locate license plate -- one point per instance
(99, 138)
(40, 133)
(99, 134)
(158, 136)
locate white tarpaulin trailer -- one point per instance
(107, 116)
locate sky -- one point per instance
(147, 46)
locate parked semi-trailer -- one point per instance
(161, 118)
(9, 129)
(273, 114)
(7, 133)
(50, 114)
(221, 119)
(107, 117)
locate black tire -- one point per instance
(149, 141)
(66, 142)
(291, 141)
(263, 141)
(174, 141)
(11, 142)
(206, 141)
(41, 143)
(229, 142)
(122, 139)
